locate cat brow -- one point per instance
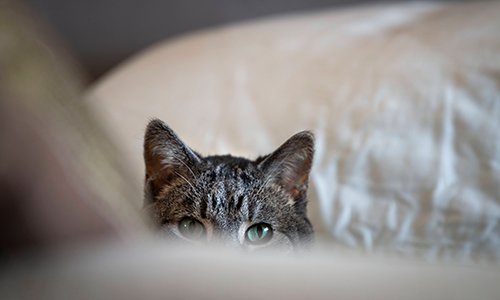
(196, 192)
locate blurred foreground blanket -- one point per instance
(61, 180)
(404, 101)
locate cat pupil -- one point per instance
(191, 227)
(259, 232)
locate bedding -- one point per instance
(404, 100)
(73, 198)
(61, 181)
(154, 271)
(70, 222)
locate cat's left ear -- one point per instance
(290, 164)
(167, 159)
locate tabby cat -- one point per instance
(226, 200)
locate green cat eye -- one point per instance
(191, 228)
(259, 234)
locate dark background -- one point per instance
(102, 33)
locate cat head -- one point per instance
(232, 201)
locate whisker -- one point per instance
(182, 162)
(184, 194)
(196, 192)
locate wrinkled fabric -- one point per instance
(404, 101)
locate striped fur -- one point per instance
(229, 194)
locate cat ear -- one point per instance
(166, 157)
(290, 164)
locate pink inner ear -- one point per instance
(153, 161)
(160, 171)
(296, 184)
(156, 170)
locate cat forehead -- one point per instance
(230, 162)
(226, 167)
(228, 175)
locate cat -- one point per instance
(227, 200)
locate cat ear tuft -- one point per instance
(166, 158)
(290, 164)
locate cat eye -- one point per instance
(191, 228)
(259, 234)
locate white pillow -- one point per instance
(404, 100)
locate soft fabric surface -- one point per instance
(404, 101)
(61, 180)
(155, 271)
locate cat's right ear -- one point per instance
(289, 166)
(167, 159)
